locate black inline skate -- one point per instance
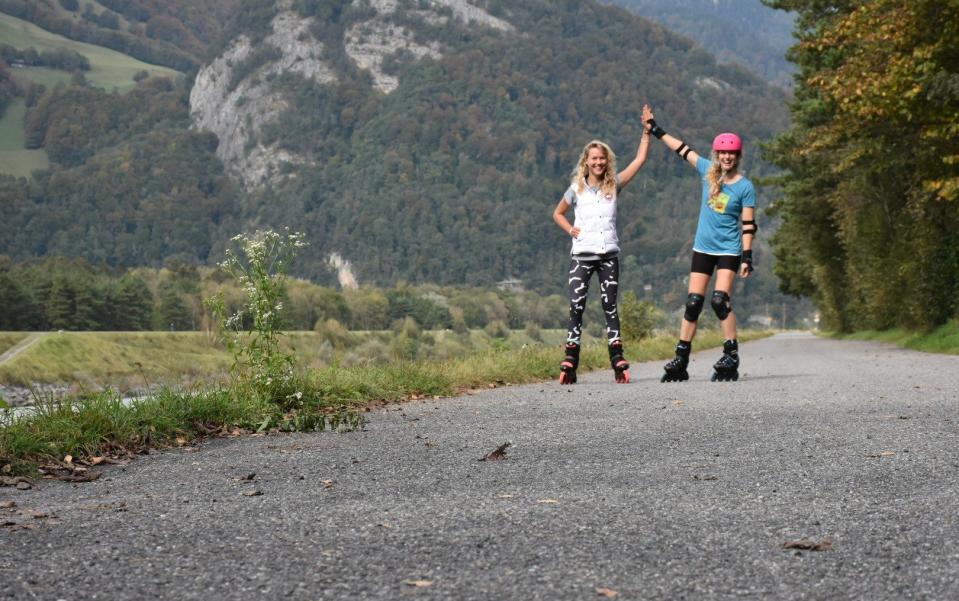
(675, 370)
(567, 369)
(620, 366)
(727, 368)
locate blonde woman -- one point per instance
(720, 246)
(593, 195)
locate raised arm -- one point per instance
(671, 142)
(630, 171)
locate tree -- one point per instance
(171, 311)
(870, 214)
(133, 304)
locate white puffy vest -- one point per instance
(596, 219)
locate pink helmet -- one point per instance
(728, 142)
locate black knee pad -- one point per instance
(694, 306)
(721, 305)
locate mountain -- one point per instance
(746, 32)
(425, 141)
(172, 33)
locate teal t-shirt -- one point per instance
(718, 232)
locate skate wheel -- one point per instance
(623, 378)
(714, 377)
(566, 378)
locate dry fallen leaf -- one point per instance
(504, 496)
(68, 459)
(245, 478)
(7, 504)
(498, 453)
(678, 403)
(602, 591)
(882, 454)
(806, 544)
(327, 483)
(252, 493)
(547, 501)
(418, 583)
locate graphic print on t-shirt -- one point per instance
(718, 203)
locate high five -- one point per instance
(593, 195)
(720, 245)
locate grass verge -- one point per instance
(944, 339)
(9, 339)
(105, 424)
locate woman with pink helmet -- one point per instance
(721, 245)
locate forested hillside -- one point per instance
(438, 165)
(172, 33)
(746, 32)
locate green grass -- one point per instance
(108, 68)
(102, 424)
(12, 135)
(136, 360)
(944, 339)
(9, 339)
(122, 359)
(14, 158)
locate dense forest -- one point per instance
(448, 179)
(870, 214)
(56, 293)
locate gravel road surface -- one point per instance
(638, 491)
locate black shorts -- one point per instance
(703, 263)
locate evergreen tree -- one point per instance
(172, 312)
(132, 305)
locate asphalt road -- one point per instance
(643, 491)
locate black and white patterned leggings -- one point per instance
(580, 272)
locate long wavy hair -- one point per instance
(581, 171)
(715, 173)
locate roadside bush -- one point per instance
(260, 266)
(334, 332)
(497, 329)
(637, 318)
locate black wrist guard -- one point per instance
(656, 130)
(748, 259)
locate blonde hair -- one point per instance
(581, 171)
(715, 173)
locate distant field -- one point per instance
(108, 68)
(8, 339)
(130, 360)
(126, 359)
(14, 158)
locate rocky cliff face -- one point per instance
(237, 107)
